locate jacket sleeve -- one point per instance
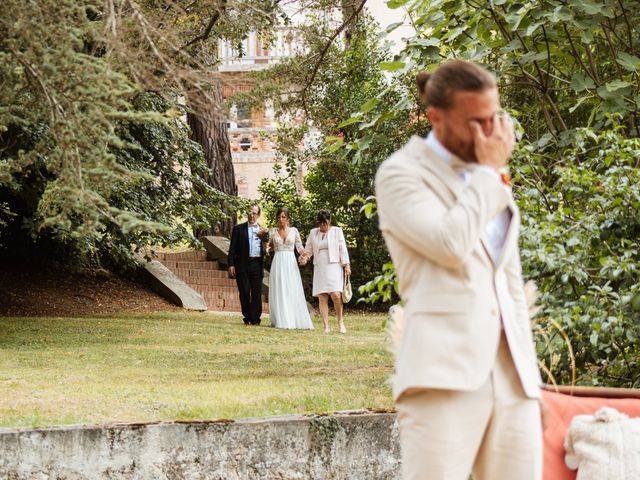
(308, 248)
(298, 241)
(342, 248)
(233, 247)
(271, 243)
(411, 212)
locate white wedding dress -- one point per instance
(287, 305)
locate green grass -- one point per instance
(187, 366)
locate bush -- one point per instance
(161, 204)
(580, 244)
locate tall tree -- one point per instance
(209, 129)
(81, 159)
(202, 26)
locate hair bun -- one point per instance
(421, 80)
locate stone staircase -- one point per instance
(208, 278)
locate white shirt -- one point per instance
(255, 247)
(496, 229)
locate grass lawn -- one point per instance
(187, 366)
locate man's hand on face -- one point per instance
(494, 150)
(232, 272)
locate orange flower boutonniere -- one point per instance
(505, 177)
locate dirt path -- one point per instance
(28, 293)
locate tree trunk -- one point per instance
(349, 7)
(209, 129)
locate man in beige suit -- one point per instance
(466, 382)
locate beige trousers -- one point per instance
(494, 431)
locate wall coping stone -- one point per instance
(354, 445)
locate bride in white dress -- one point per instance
(287, 304)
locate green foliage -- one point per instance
(48, 78)
(286, 189)
(175, 194)
(383, 288)
(282, 191)
(5, 217)
(568, 63)
(561, 65)
(348, 80)
(568, 72)
(90, 164)
(169, 195)
(580, 243)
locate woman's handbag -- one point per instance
(347, 292)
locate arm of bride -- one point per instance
(270, 244)
(307, 252)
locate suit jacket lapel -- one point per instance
(511, 239)
(459, 166)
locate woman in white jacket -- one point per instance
(327, 246)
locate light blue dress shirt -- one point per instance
(255, 249)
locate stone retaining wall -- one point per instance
(348, 445)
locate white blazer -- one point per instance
(337, 245)
(455, 294)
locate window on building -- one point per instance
(243, 115)
(245, 143)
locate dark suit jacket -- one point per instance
(239, 248)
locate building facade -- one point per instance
(252, 129)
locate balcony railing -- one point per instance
(257, 51)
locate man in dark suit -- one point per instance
(245, 265)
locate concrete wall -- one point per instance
(352, 445)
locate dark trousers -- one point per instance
(250, 288)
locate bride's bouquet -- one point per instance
(264, 234)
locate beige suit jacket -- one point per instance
(455, 294)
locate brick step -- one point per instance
(190, 256)
(211, 282)
(235, 302)
(207, 278)
(227, 296)
(183, 264)
(215, 284)
(230, 306)
(197, 273)
(211, 289)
